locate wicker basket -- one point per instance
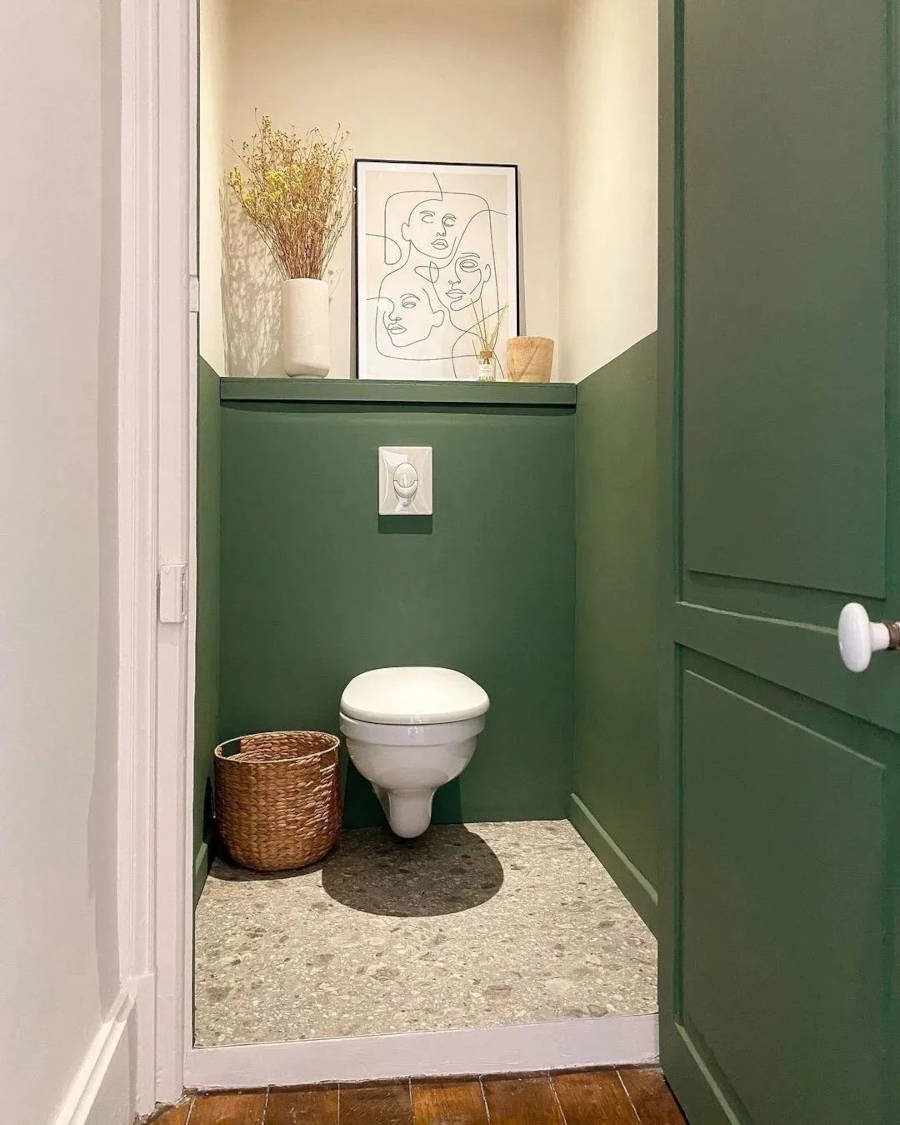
(277, 798)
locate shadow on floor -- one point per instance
(447, 870)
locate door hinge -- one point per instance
(194, 293)
(172, 596)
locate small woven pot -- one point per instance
(278, 800)
(529, 359)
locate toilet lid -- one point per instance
(414, 696)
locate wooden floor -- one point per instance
(628, 1096)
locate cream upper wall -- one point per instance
(59, 243)
(213, 160)
(465, 82)
(609, 182)
(573, 97)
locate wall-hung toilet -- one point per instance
(409, 731)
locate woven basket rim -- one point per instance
(236, 759)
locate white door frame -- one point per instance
(157, 409)
(157, 521)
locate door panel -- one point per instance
(779, 450)
(784, 202)
(783, 872)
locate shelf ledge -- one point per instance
(388, 391)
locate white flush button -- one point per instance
(404, 480)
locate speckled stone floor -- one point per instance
(473, 925)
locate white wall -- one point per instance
(59, 245)
(471, 81)
(609, 186)
(214, 158)
(571, 87)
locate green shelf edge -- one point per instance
(387, 391)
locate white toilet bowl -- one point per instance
(409, 731)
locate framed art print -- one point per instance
(437, 266)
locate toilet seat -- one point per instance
(413, 697)
(411, 734)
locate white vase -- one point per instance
(305, 333)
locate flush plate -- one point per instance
(404, 480)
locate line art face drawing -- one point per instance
(437, 256)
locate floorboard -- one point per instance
(382, 1104)
(229, 1109)
(316, 1106)
(592, 1096)
(522, 1101)
(174, 1115)
(448, 1103)
(630, 1096)
(651, 1097)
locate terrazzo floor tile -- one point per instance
(474, 925)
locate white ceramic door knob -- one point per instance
(858, 637)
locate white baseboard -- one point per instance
(143, 989)
(561, 1045)
(102, 1092)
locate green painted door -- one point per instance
(780, 501)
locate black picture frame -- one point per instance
(448, 365)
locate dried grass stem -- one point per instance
(296, 191)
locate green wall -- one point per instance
(206, 691)
(315, 587)
(615, 781)
(301, 586)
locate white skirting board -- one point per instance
(102, 1092)
(560, 1045)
